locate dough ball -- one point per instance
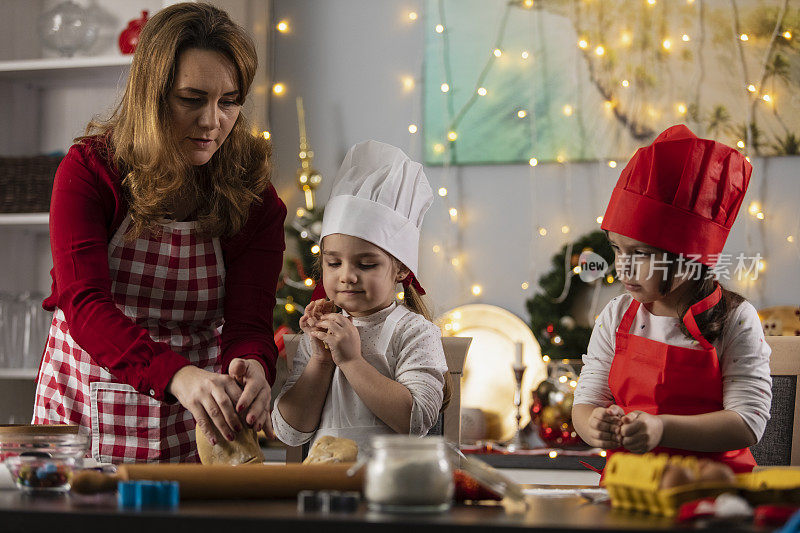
(708, 470)
(329, 449)
(675, 475)
(243, 449)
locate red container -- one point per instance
(129, 37)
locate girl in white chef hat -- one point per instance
(378, 366)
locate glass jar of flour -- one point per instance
(408, 474)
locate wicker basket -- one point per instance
(26, 183)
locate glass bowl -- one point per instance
(37, 473)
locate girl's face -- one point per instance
(357, 275)
(203, 103)
(641, 268)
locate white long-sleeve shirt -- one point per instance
(401, 345)
(742, 350)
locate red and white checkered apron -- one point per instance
(173, 285)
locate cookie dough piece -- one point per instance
(329, 449)
(243, 449)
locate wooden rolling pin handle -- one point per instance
(93, 482)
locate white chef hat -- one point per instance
(380, 195)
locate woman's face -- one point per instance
(203, 103)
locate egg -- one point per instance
(675, 475)
(708, 470)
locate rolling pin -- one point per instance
(227, 482)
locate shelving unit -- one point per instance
(62, 69)
(18, 373)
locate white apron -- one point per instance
(173, 285)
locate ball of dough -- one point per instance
(329, 449)
(243, 449)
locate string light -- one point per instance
(412, 15)
(481, 91)
(565, 229)
(685, 38)
(497, 52)
(438, 148)
(542, 231)
(522, 113)
(612, 164)
(744, 37)
(681, 108)
(626, 38)
(308, 282)
(525, 54)
(562, 379)
(452, 136)
(599, 220)
(453, 214)
(751, 88)
(533, 161)
(760, 215)
(444, 87)
(625, 83)
(740, 143)
(603, 453)
(790, 238)
(442, 191)
(278, 88)
(476, 290)
(439, 28)
(282, 26)
(528, 3)
(436, 248)
(651, 2)
(609, 279)
(456, 315)
(762, 265)
(301, 212)
(766, 98)
(573, 383)
(401, 295)
(599, 50)
(408, 83)
(577, 269)
(583, 44)
(412, 128)
(289, 307)
(315, 249)
(553, 454)
(787, 35)
(667, 44)
(455, 261)
(525, 284)
(754, 208)
(568, 110)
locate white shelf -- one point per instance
(62, 68)
(18, 373)
(25, 221)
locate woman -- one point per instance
(163, 227)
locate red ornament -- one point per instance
(129, 37)
(279, 342)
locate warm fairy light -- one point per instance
(408, 83)
(754, 208)
(747, 158)
(577, 269)
(565, 229)
(751, 88)
(448, 326)
(456, 326)
(542, 231)
(583, 44)
(562, 379)
(568, 110)
(744, 37)
(525, 284)
(476, 290)
(762, 265)
(308, 282)
(766, 98)
(442, 191)
(282, 26)
(436, 248)
(401, 295)
(289, 307)
(603, 453)
(553, 454)
(626, 38)
(438, 148)
(740, 143)
(528, 3)
(412, 15)
(790, 238)
(481, 91)
(522, 113)
(456, 315)
(599, 220)
(453, 214)
(533, 161)
(760, 215)
(681, 108)
(304, 234)
(667, 44)
(685, 38)
(612, 164)
(546, 358)
(300, 212)
(651, 2)
(444, 87)
(625, 83)
(497, 52)
(455, 261)
(573, 383)
(315, 249)
(439, 28)
(266, 135)
(609, 105)
(412, 128)
(787, 35)
(599, 50)
(525, 54)
(278, 88)
(452, 136)
(560, 158)
(609, 279)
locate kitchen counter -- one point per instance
(25, 513)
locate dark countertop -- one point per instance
(24, 513)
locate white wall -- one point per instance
(346, 58)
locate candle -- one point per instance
(519, 348)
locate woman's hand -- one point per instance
(210, 397)
(640, 432)
(341, 336)
(604, 427)
(253, 404)
(308, 323)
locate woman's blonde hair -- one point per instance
(139, 132)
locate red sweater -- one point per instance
(86, 209)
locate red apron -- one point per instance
(173, 285)
(658, 378)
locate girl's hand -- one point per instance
(640, 432)
(253, 404)
(210, 397)
(308, 323)
(341, 336)
(604, 427)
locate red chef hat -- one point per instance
(680, 194)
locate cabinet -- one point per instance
(46, 102)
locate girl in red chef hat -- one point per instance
(678, 364)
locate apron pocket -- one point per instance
(126, 425)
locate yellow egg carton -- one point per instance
(633, 482)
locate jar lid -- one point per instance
(406, 441)
(38, 429)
